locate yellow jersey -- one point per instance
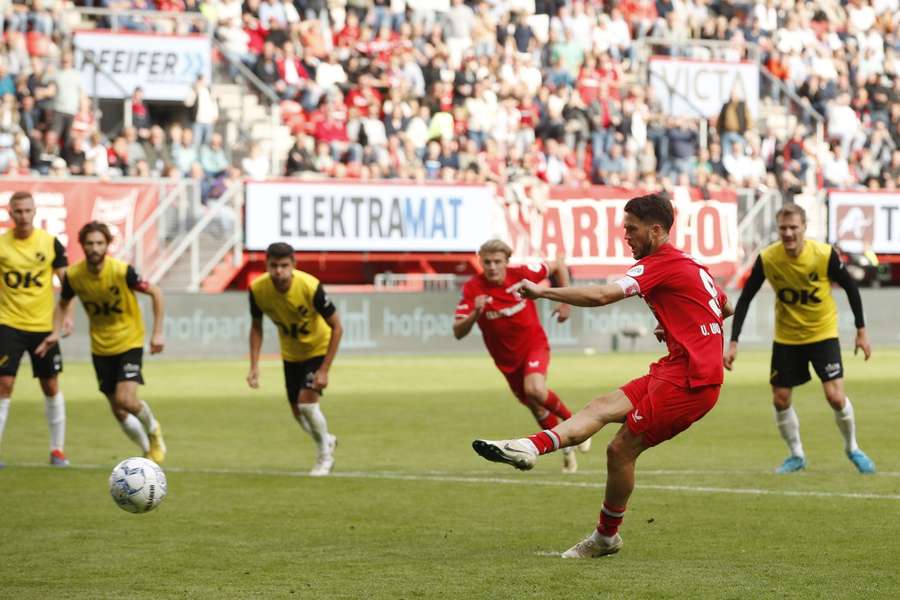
(26, 279)
(299, 313)
(110, 303)
(805, 312)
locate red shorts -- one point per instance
(662, 410)
(537, 360)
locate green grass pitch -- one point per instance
(412, 512)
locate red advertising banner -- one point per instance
(586, 224)
(64, 206)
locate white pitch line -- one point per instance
(445, 478)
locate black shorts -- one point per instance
(15, 342)
(790, 363)
(299, 376)
(111, 370)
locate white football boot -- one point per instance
(584, 446)
(570, 463)
(512, 452)
(594, 546)
(325, 460)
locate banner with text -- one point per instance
(63, 207)
(366, 217)
(860, 221)
(164, 66)
(586, 225)
(699, 88)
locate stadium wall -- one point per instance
(216, 326)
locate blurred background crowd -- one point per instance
(480, 91)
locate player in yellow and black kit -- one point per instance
(800, 272)
(106, 287)
(309, 332)
(29, 258)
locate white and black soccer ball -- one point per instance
(137, 485)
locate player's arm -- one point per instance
(327, 309)
(579, 295)
(838, 274)
(60, 310)
(60, 262)
(559, 277)
(256, 340)
(135, 283)
(464, 322)
(754, 282)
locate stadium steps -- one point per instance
(178, 277)
(223, 274)
(249, 122)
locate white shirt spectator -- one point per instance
(255, 167)
(268, 10)
(842, 120)
(620, 34)
(328, 75)
(861, 18)
(837, 170)
(767, 15)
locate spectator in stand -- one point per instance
(734, 122)
(683, 146)
(75, 156)
(135, 148)
(157, 152)
(67, 93)
(206, 112)
(140, 116)
(300, 159)
(267, 70)
(256, 164)
(212, 157)
(7, 82)
(97, 156)
(84, 123)
(184, 151)
(117, 157)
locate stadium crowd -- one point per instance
(483, 91)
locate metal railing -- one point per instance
(755, 228)
(179, 202)
(136, 20)
(201, 248)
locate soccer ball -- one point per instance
(137, 485)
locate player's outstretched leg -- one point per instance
(522, 453)
(157, 451)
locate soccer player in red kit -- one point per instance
(679, 389)
(513, 333)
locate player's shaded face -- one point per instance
(280, 270)
(638, 236)
(792, 231)
(22, 214)
(94, 246)
(494, 265)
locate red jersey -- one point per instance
(509, 324)
(688, 303)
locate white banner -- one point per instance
(366, 217)
(699, 88)
(860, 221)
(164, 66)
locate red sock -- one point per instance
(545, 441)
(549, 421)
(555, 405)
(610, 519)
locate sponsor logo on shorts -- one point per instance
(636, 416)
(534, 363)
(131, 368)
(832, 368)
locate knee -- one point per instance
(50, 387)
(781, 399)
(616, 454)
(6, 387)
(836, 400)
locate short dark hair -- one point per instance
(279, 250)
(92, 227)
(652, 208)
(21, 196)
